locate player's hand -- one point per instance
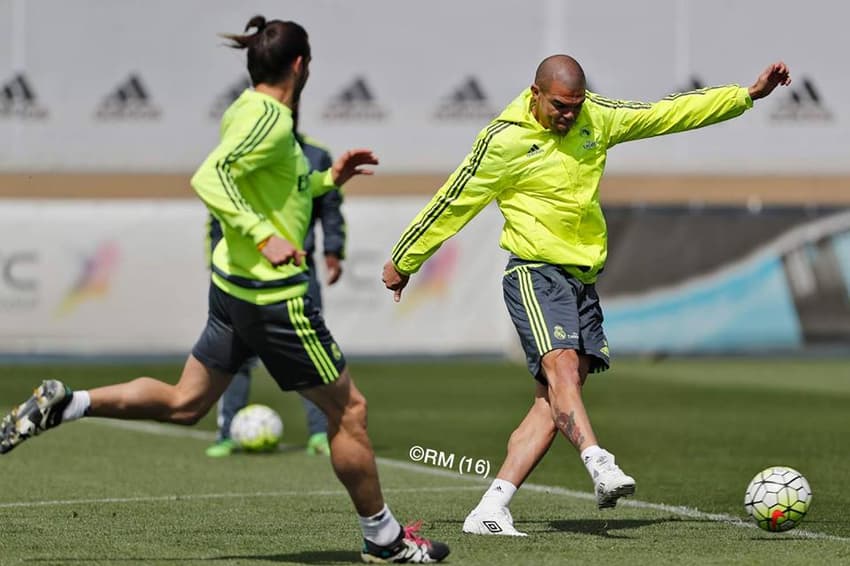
(279, 251)
(351, 163)
(775, 75)
(334, 268)
(394, 280)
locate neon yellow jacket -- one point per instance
(257, 183)
(547, 186)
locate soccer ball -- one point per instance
(256, 428)
(778, 498)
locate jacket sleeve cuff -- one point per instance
(322, 182)
(403, 271)
(744, 97)
(261, 232)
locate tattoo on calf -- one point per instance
(567, 425)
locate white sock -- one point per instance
(588, 455)
(499, 494)
(80, 402)
(381, 528)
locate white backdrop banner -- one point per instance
(115, 85)
(452, 306)
(101, 277)
(129, 277)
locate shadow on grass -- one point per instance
(596, 527)
(306, 557)
(603, 528)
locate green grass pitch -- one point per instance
(693, 432)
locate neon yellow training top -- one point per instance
(257, 183)
(546, 185)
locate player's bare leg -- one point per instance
(353, 461)
(566, 372)
(185, 403)
(530, 441)
(53, 403)
(352, 456)
(526, 447)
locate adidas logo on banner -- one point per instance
(225, 99)
(694, 83)
(468, 101)
(355, 102)
(129, 101)
(803, 103)
(18, 100)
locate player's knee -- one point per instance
(186, 416)
(187, 419)
(562, 368)
(188, 411)
(354, 413)
(357, 406)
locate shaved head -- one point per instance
(558, 93)
(562, 69)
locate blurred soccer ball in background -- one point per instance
(778, 498)
(256, 428)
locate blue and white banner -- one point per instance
(130, 277)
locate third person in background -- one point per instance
(541, 160)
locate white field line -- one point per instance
(682, 511)
(178, 431)
(201, 496)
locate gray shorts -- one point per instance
(552, 310)
(290, 337)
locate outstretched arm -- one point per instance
(775, 75)
(687, 110)
(475, 183)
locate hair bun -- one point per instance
(258, 22)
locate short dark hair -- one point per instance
(271, 48)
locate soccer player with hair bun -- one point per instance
(257, 183)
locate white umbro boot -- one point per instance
(488, 520)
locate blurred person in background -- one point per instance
(257, 183)
(542, 160)
(327, 212)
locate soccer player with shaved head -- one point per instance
(541, 160)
